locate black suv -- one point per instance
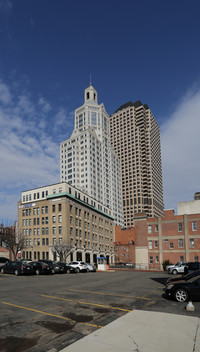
(191, 266)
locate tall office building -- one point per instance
(135, 136)
(87, 160)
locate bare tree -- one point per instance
(13, 241)
(62, 250)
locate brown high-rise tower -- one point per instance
(135, 136)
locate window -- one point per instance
(60, 230)
(181, 258)
(59, 207)
(150, 244)
(157, 259)
(60, 218)
(54, 230)
(171, 245)
(156, 244)
(191, 242)
(196, 258)
(180, 226)
(151, 259)
(53, 219)
(149, 229)
(53, 208)
(156, 228)
(180, 243)
(194, 226)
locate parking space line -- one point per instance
(52, 315)
(155, 290)
(87, 303)
(110, 294)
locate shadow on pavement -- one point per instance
(160, 280)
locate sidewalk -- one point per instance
(143, 331)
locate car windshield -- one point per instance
(191, 275)
(195, 278)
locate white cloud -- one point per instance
(5, 96)
(180, 150)
(44, 104)
(29, 154)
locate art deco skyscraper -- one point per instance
(135, 136)
(87, 160)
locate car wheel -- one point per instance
(78, 270)
(37, 272)
(181, 295)
(16, 272)
(68, 271)
(174, 272)
(2, 271)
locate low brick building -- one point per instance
(173, 237)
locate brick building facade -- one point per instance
(173, 237)
(124, 245)
(61, 214)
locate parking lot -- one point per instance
(39, 313)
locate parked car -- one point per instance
(183, 277)
(191, 266)
(3, 260)
(130, 265)
(56, 269)
(79, 265)
(41, 268)
(67, 268)
(91, 267)
(168, 267)
(183, 290)
(17, 268)
(177, 269)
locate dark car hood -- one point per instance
(181, 281)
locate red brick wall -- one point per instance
(124, 245)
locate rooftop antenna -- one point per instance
(90, 79)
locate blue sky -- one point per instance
(147, 50)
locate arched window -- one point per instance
(88, 95)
